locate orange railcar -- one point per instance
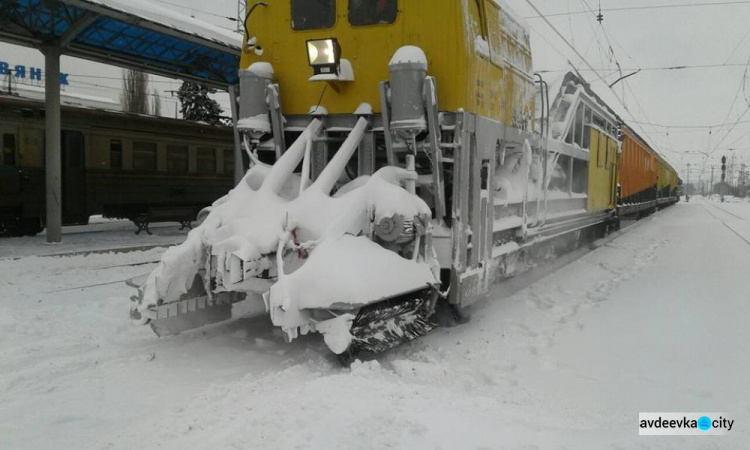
(638, 169)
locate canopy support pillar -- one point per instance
(53, 151)
(239, 167)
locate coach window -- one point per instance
(115, 154)
(313, 15)
(578, 138)
(177, 158)
(144, 155)
(9, 149)
(206, 160)
(372, 12)
(587, 128)
(229, 162)
(607, 156)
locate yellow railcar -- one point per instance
(667, 183)
(487, 170)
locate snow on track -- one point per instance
(655, 320)
(98, 236)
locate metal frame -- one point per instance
(22, 25)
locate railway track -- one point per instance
(727, 211)
(729, 227)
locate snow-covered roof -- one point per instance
(134, 34)
(148, 10)
(70, 98)
(605, 97)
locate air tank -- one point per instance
(254, 106)
(408, 69)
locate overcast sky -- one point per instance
(654, 38)
(639, 38)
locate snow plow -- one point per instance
(426, 163)
(358, 267)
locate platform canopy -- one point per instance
(134, 34)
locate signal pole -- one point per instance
(723, 176)
(241, 16)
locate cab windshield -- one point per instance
(372, 12)
(313, 14)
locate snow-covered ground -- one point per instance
(655, 320)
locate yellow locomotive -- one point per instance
(416, 159)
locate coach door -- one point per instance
(73, 177)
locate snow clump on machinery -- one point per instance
(357, 266)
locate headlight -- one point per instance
(324, 55)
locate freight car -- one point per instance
(647, 180)
(424, 176)
(116, 164)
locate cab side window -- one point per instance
(372, 12)
(9, 149)
(313, 14)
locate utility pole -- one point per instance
(711, 188)
(687, 190)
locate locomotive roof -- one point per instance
(573, 77)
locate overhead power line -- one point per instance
(696, 127)
(730, 130)
(200, 11)
(646, 7)
(100, 77)
(649, 69)
(585, 61)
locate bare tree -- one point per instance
(135, 92)
(156, 103)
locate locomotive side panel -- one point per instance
(602, 171)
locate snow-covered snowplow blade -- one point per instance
(344, 277)
(321, 261)
(192, 310)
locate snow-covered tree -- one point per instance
(197, 105)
